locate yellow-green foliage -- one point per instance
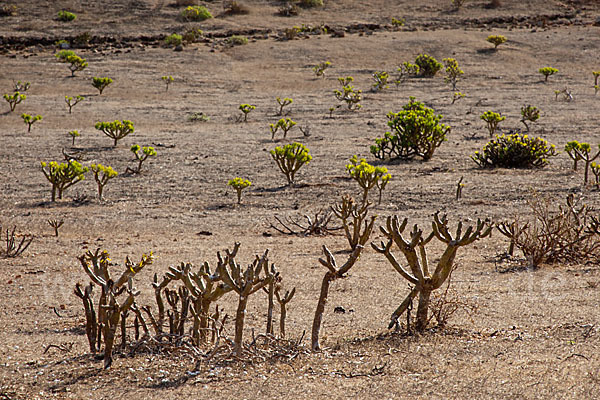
(320, 68)
(167, 80)
(348, 95)
(237, 40)
(529, 113)
(196, 13)
(290, 158)
(63, 176)
(457, 96)
(453, 71)
(581, 151)
(102, 174)
(428, 66)
(173, 40)
(368, 176)
(101, 83)
(496, 40)
(142, 156)
(246, 109)
(74, 134)
(73, 102)
(15, 99)
(115, 130)
(66, 16)
(239, 184)
(492, 120)
(547, 71)
(75, 62)
(30, 120)
(381, 80)
(285, 124)
(283, 103)
(515, 151)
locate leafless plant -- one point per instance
(317, 225)
(55, 224)
(12, 248)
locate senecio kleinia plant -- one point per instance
(428, 66)
(246, 109)
(529, 113)
(515, 151)
(196, 13)
(167, 80)
(496, 40)
(63, 176)
(75, 62)
(74, 134)
(15, 99)
(285, 124)
(547, 71)
(368, 176)
(22, 86)
(141, 156)
(72, 102)
(416, 131)
(320, 68)
(115, 130)
(381, 80)
(173, 40)
(581, 151)
(290, 158)
(492, 120)
(453, 72)
(283, 103)
(406, 70)
(102, 174)
(237, 40)
(30, 120)
(101, 83)
(348, 95)
(457, 96)
(239, 184)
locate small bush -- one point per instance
(196, 13)
(529, 113)
(7, 10)
(63, 176)
(368, 176)
(15, 99)
(246, 109)
(416, 131)
(102, 174)
(381, 80)
(101, 83)
(547, 71)
(515, 151)
(492, 120)
(115, 130)
(453, 71)
(30, 120)
(428, 66)
(192, 35)
(290, 158)
(72, 102)
(348, 95)
(311, 3)
(173, 40)
(141, 156)
(237, 40)
(239, 185)
(66, 16)
(76, 63)
(320, 68)
(496, 40)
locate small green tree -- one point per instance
(167, 80)
(102, 174)
(320, 68)
(368, 176)
(30, 120)
(75, 62)
(141, 156)
(381, 80)
(496, 40)
(596, 76)
(529, 113)
(74, 134)
(115, 130)
(239, 184)
(285, 124)
(101, 83)
(492, 120)
(457, 96)
(72, 102)
(428, 66)
(547, 71)
(290, 158)
(22, 86)
(62, 176)
(283, 103)
(582, 151)
(453, 72)
(66, 16)
(569, 149)
(246, 109)
(596, 171)
(405, 71)
(15, 99)
(348, 95)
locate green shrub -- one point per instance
(406, 70)
(102, 174)
(596, 171)
(529, 113)
(320, 68)
(492, 120)
(496, 40)
(283, 103)
(515, 151)
(196, 13)
(73, 102)
(416, 131)
(168, 79)
(173, 40)
(192, 35)
(285, 124)
(74, 134)
(239, 184)
(15, 99)
(141, 156)
(547, 71)
(30, 120)
(63, 176)
(237, 40)
(246, 109)
(311, 3)
(348, 95)
(581, 151)
(397, 22)
(66, 16)
(367, 176)
(381, 80)
(115, 130)
(457, 96)
(453, 72)
(290, 158)
(75, 62)
(22, 86)
(428, 66)
(101, 83)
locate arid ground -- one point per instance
(534, 333)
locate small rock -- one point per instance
(178, 48)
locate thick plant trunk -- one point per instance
(282, 321)
(239, 325)
(316, 327)
(270, 309)
(424, 296)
